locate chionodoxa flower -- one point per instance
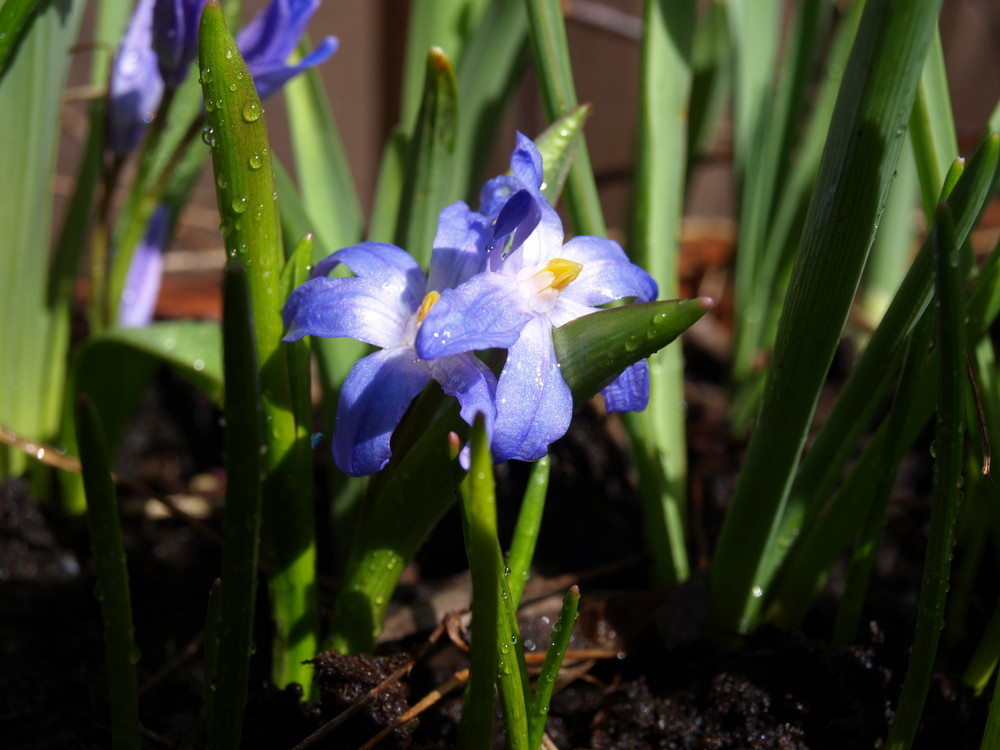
(500, 277)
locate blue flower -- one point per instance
(145, 273)
(175, 37)
(135, 88)
(384, 305)
(273, 34)
(532, 284)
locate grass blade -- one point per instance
(428, 184)
(949, 442)
(654, 244)
(855, 172)
(244, 443)
(241, 157)
(112, 577)
(562, 632)
(555, 77)
(479, 510)
(529, 521)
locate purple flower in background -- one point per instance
(135, 88)
(142, 285)
(272, 35)
(536, 284)
(384, 305)
(175, 37)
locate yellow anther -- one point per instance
(563, 272)
(427, 304)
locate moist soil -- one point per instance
(646, 677)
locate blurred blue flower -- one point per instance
(384, 305)
(161, 42)
(175, 37)
(135, 88)
(272, 35)
(142, 285)
(532, 284)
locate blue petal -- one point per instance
(630, 390)
(358, 308)
(495, 193)
(135, 86)
(526, 163)
(175, 37)
(392, 267)
(268, 40)
(459, 247)
(607, 273)
(373, 399)
(486, 311)
(270, 78)
(145, 273)
(534, 404)
(470, 381)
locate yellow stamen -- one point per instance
(563, 271)
(427, 304)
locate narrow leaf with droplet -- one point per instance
(236, 132)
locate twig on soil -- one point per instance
(355, 707)
(456, 680)
(58, 459)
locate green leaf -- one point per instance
(948, 463)
(245, 447)
(389, 189)
(446, 24)
(860, 157)
(555, 79)
(15, 15)
(556, 144)
(428, 185)
(328, 193)
(654, 244)
(112, 577)
(593, 350)
(33, 336)
(529, 522)
(562, 633)
(244, 178)
(479, 513)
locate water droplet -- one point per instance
(208, 136)
(209, 105)
(226, 227)
(251, 112)
(232, 86)
(222, 182)
(229, 54)
(757, 591)
(255, 161)
(198, 365)
(206, 75)
(239, 204)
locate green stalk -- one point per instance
(991, 736)
(983, 663)
(555, 78)
(245, 445)
(244, 177)
(428, 184)
(861, 395)
(479, 508)
(112, 577)
(658, 203)
(858, 162)
(949, 443)
(529, 522)
(562, 632)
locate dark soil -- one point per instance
(659, 686)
